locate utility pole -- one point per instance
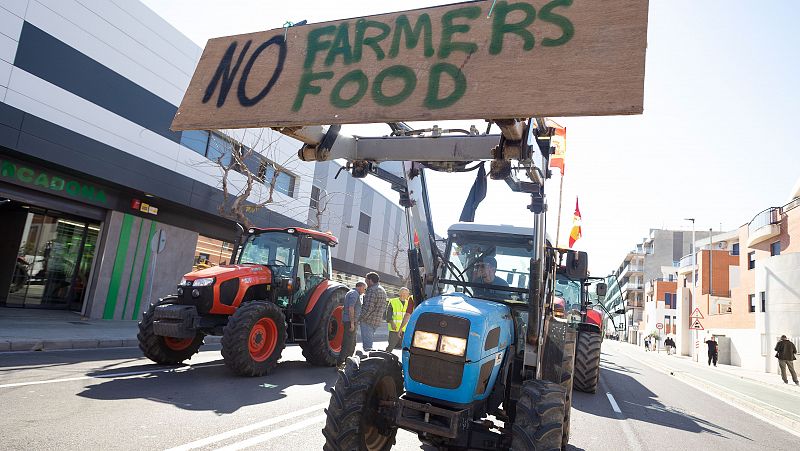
(694, 350)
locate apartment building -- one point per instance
(748, 287)
(661, 306)
(642, 264)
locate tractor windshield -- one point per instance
(570, 291)
(489, 267)
(276, 249)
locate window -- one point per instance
(735, 249)
(674, 324)
(751, 301)
(667, 300)
(751, 260)
(220, 149)
(196, 140)
(284, 182)
(364, 223)
(763, 301)
(667, 324)
(775, 248)
(314, 197)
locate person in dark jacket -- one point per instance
(786, 352)
(713, 350)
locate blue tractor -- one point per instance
(487, 362)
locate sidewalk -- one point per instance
(759, 393)
(49, 330)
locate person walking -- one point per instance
(350, 313)
(786, 352)
(647, 344)
(713, 350)
(670, 344)
(400, 308)
(372, 310)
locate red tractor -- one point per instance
(279, 291)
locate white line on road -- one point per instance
(248, 428)
(273, 434)
(109, 376)
(613, 402)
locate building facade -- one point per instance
(748, 288)
(104, 207)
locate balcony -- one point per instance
(764, 226)
(685, 265)
(631, 269)
(634, 304)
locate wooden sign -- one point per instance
(527, 58)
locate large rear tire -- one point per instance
(587, 361)
(325, 341)
(254, 338)
(165, 350)
(355, 420)
(539, 417)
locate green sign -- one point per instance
(44, 181)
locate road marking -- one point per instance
(273, 434)
(109, 376)
(613, 402)
(248, 428)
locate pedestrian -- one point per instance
(713, 350)
(372, 310)
(670, 344)
(647, 344)
(399, 312)
(785, 352)
(350, 313)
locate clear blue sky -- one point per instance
(715, 142)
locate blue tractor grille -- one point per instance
(433, 368)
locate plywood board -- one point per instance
(528, 58)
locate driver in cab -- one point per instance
(484, 273)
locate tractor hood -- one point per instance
(228, 271)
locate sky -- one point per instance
(717, 140)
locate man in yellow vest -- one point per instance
(401, 309)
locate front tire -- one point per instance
(355, 420)
(165, 350)
(325, 341)
(254, 338)
(587, 361)
(539, 417)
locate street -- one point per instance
(115, 399)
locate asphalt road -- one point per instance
(115, 399)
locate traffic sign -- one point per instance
(696, 313)
(696, 325)
(659, 326)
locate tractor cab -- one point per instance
(299, 260)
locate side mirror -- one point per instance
(305, 246)
(577, 265)
(601, 289)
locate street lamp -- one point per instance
(694, 290)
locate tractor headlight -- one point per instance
(204, 282)
(453, 345)
(425, 340)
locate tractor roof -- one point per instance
(316, 234)
(490, 229)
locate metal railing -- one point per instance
(686, 261)
(767, 217)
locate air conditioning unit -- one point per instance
(722, 245)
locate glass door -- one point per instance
(54, 262)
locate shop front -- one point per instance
(49, 235)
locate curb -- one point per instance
(743, 402)
(32, 345)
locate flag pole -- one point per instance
(560, 202)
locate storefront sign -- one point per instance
(471, 60)
(48, 181)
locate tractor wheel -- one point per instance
(539, 417)
(165, 350)
(355, 419)
(567, 380)
(325, 341)
(587, 361)
(254, 338)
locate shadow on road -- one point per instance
(208, 387)
(639, 403)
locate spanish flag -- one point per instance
(575, 233)
(559, 142)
